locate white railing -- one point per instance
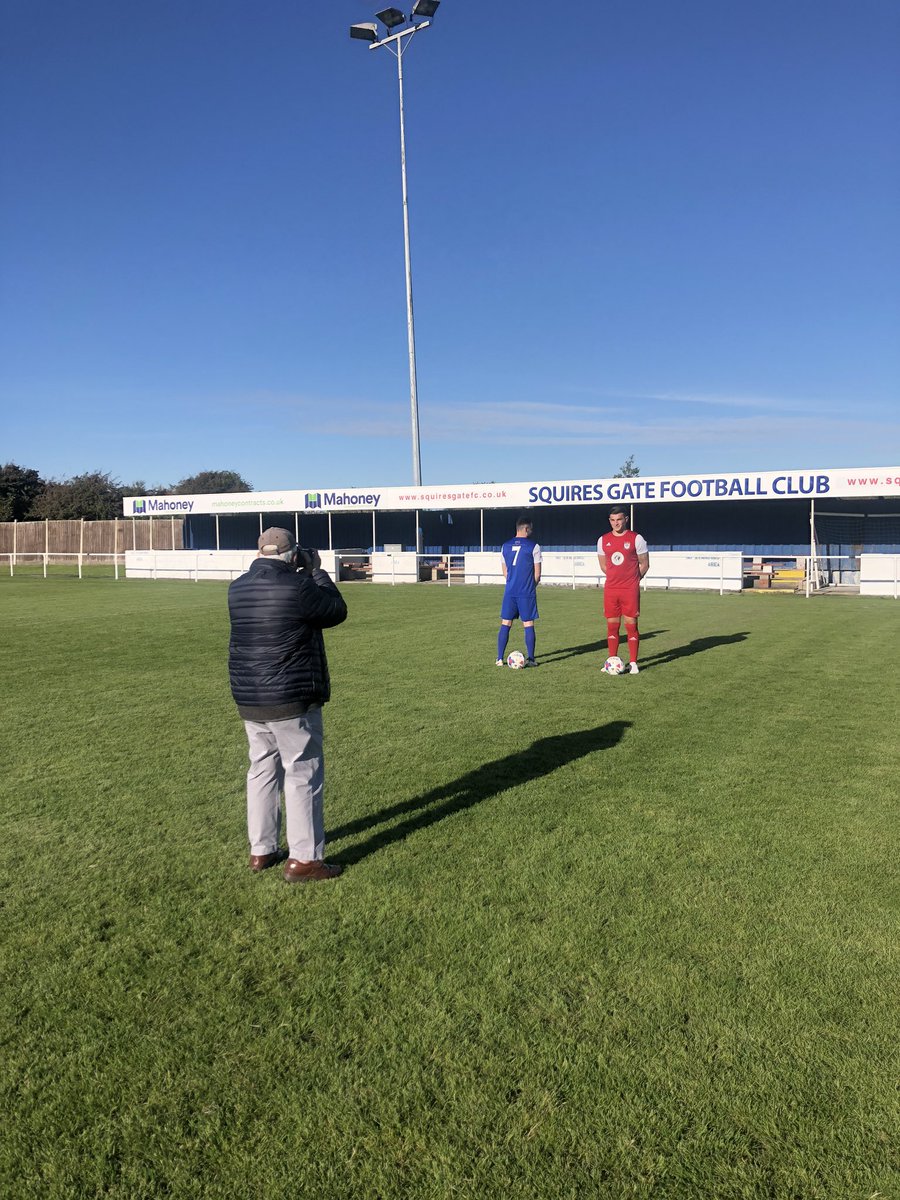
(406, 566)
(669, 569)
(695, 570)
(45, 560)
(193, 565)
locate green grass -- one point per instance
(597, 937)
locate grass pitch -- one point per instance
(597, 937)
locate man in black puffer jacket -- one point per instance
(279, 680)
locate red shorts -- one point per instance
(621, 602)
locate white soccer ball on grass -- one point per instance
(516, 660)
(614, 665)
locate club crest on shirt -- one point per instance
(628, 545)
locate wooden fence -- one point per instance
(63, 539)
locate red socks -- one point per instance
(612, 638)
(634, 640)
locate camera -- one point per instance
(306, 558)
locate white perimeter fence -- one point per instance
(670, 570)
(879, 574)
(39, 563)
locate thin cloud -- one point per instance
(717, 400)
(536, 423)
(563, 427)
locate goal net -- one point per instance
(841, 537)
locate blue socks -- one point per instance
(503, 640)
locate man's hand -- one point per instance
(308, 559)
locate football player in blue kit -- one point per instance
(521, 563)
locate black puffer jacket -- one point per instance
(276, 659)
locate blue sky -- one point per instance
(666, 230)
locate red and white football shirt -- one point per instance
(621, 552)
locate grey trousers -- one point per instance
(286, 756)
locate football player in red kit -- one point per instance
(624, 560)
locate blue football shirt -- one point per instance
(520, 554)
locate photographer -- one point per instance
(279, 680)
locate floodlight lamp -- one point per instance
(366, 32)
(425, 8)
(391, 17)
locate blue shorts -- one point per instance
(523, 606)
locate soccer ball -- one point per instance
(516, 660)
(614, 665)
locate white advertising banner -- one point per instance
(200, 564)
(816, 484)
(668, 569)
(879, 575)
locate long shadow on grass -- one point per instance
(541, 758)
(598, 647)
(697, 646)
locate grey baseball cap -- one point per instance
(276, 541)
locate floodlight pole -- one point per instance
(410, 322)
(396, 46)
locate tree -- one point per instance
(211, 481)
(628, 469)
(140, 488)
(19, 488)
(92, 497)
